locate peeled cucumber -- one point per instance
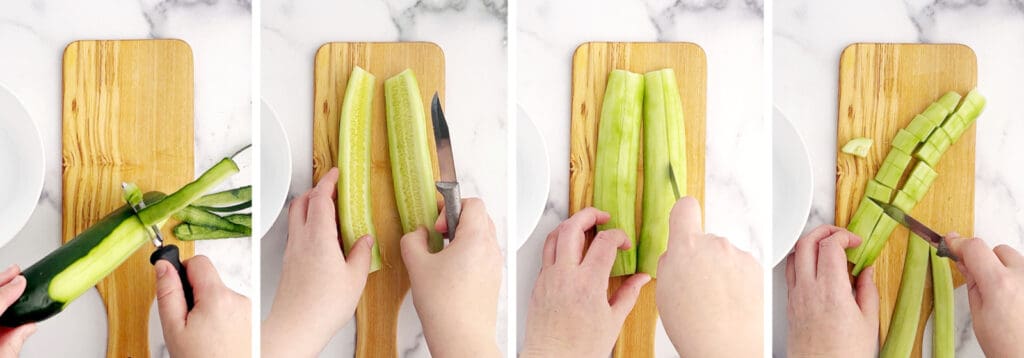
(355, 210)
(618, 152)
(943, 338)
(409, 150)
(664, 148)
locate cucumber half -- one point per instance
(355, 210)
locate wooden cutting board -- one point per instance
(127, 116)
(377, 313)
(591, 64)
(881, 88)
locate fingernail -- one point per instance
(161, 269)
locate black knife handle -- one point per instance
(170, 253)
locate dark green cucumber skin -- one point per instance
(35, 303)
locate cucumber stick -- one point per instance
(355, 210)
(664, 147)
(70, 270)
(875, 243)
(943, 341)
(409, 151)
(862, 223)
(907, 314)
(618, 152)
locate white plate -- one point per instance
(275, 168)
(532, 178)
(792, 184)
(21, 166)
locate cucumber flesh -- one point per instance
(949, 101)
(905, 141)
(355, 208)
(906, 316)
(904, 201)
(663, 130)
(858, 146)
(921, 127)
(408, 145)
(878, 191)
(178, 200)
(618, 152)
(892, 168)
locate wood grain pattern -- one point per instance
(127, 116)
(881, 88)
(377, 313)
(591, 64)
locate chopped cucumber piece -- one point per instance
(949, 101)
(664, 148)
(935, 113)
(879, 236)
(929, 154)
(892, 168)
(907, 314)
(861, 224)
(408, 148)
(924, 172)
(954, 127)
(943, 343)
(618, 154)
(904, 201)
(920, 181)
(858, 146)
(878, 191)
(972, 106)
(355, 208)
(940, 140)
(921, 127)
(905, 141)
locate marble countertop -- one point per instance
(472, 35)
(32, 40)
(737, 196)
(808, 39)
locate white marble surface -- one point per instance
(737, 194)
(472, 35)
(809, 36)
(33, 35)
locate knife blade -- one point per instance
(170, 253)
(448, 186)
(918, 228)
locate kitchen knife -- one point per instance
(133, 196)
(449, 184)
(918, 228)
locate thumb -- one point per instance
(360, 254)
(867, 295)
(414, 247)
(170, 298)
(625, 297)
(684, 221)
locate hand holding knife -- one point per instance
(449, 184)
(918, 228)
(133, 196)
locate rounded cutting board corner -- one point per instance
(275, 168)
(22, 165)
(792, 186)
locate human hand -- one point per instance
(219, 324)
(12, 285)
(320, 287)
(995, 289)
(570, 314)
(455, 291)
(704, 281)
(825, 318)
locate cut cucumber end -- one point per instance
(858, 146)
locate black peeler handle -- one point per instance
(170, 253)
